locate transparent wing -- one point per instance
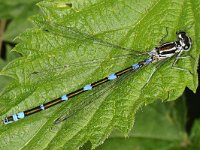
(76, 34)
(85, 100)
(58, 66)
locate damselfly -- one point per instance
(164, 51)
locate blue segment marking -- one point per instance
(42, 107)
(15, 118)
(147, 61)
(64, 98)
(112, 77)
(87, 87)
(20, 115)
(135, 66)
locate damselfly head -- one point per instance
(184, 40)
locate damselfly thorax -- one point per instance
(169, 49)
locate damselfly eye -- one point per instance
(188, 46)
(180, 35)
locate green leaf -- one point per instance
(157, 126)
(79, 42)
(166, 131)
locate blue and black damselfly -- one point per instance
(164, 51)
